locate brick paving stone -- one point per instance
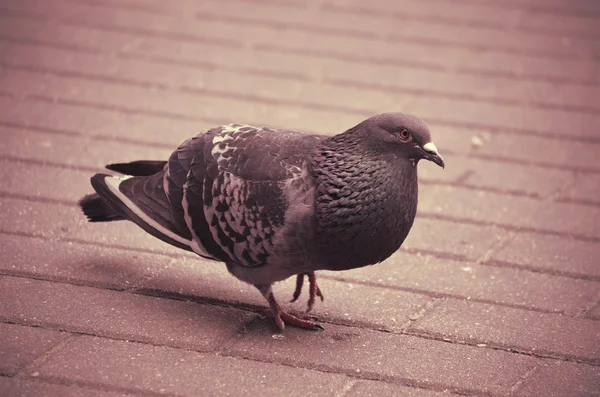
(398, 357)
(479, 14)
(562, 379)
(29, 25)
(118, 314)
(26, 82)
(146, 129)
(32, 180)
(495, 63)
(270, 15)
(67, 222)
(175, 104)
(262, 34)
(344, 302)
(431, 235)
(577, 8)
(360, 305)
(506, 117)
(594, 312)
(19, 387)
(531, 332)
(156, 130)
(135, 71)
(19, 346)
(76, 263)
(53, 116)
(553, 152)
(552, 254)
(138, 367)
(514, 178)
(365, 388)
(586, 189)
(515, 212)
(80, 151)
(472, 281)
(414, 79)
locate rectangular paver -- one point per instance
(538, 333)
(67, 222)
(20, 387)
(472, 281)
(559, 379)
(77, 263)
(551, 254)
(366, 388)
(20, 346)
(157, 369)
(510, 211)
(431, 363)
(345, 302)
(118, 314)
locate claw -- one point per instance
(281, 317)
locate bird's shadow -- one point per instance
(187, 280)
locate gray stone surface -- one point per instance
(551, 254)
(365, 388)
(19, 346)
(503, 253)
(141, 367)
(396, 357)
(472, 281)
(559, 378)
(118, 315)
(28, 387)
(537, 333)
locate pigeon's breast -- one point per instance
(365, 216)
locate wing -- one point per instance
(222, 194)
(234, 196)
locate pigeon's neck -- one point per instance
(366, 201)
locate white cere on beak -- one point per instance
(430, 147)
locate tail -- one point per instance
(96, 210)
(138, 168)
(140, 199)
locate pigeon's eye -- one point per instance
(404, 135)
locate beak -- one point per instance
(431, 154)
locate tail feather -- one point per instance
(138, 168)
(97, 210)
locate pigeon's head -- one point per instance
(404, 134)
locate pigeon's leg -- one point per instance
(314, 289)
(280, 316)
(299, 284)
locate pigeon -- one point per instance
(273, 204)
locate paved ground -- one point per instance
(496, 291)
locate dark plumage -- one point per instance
(274, 203)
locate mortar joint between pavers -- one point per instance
(43, 357)
(344, 391)
(590, 307)
(421, 312)
(560, 190)
(526, 375)
(497, 246)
